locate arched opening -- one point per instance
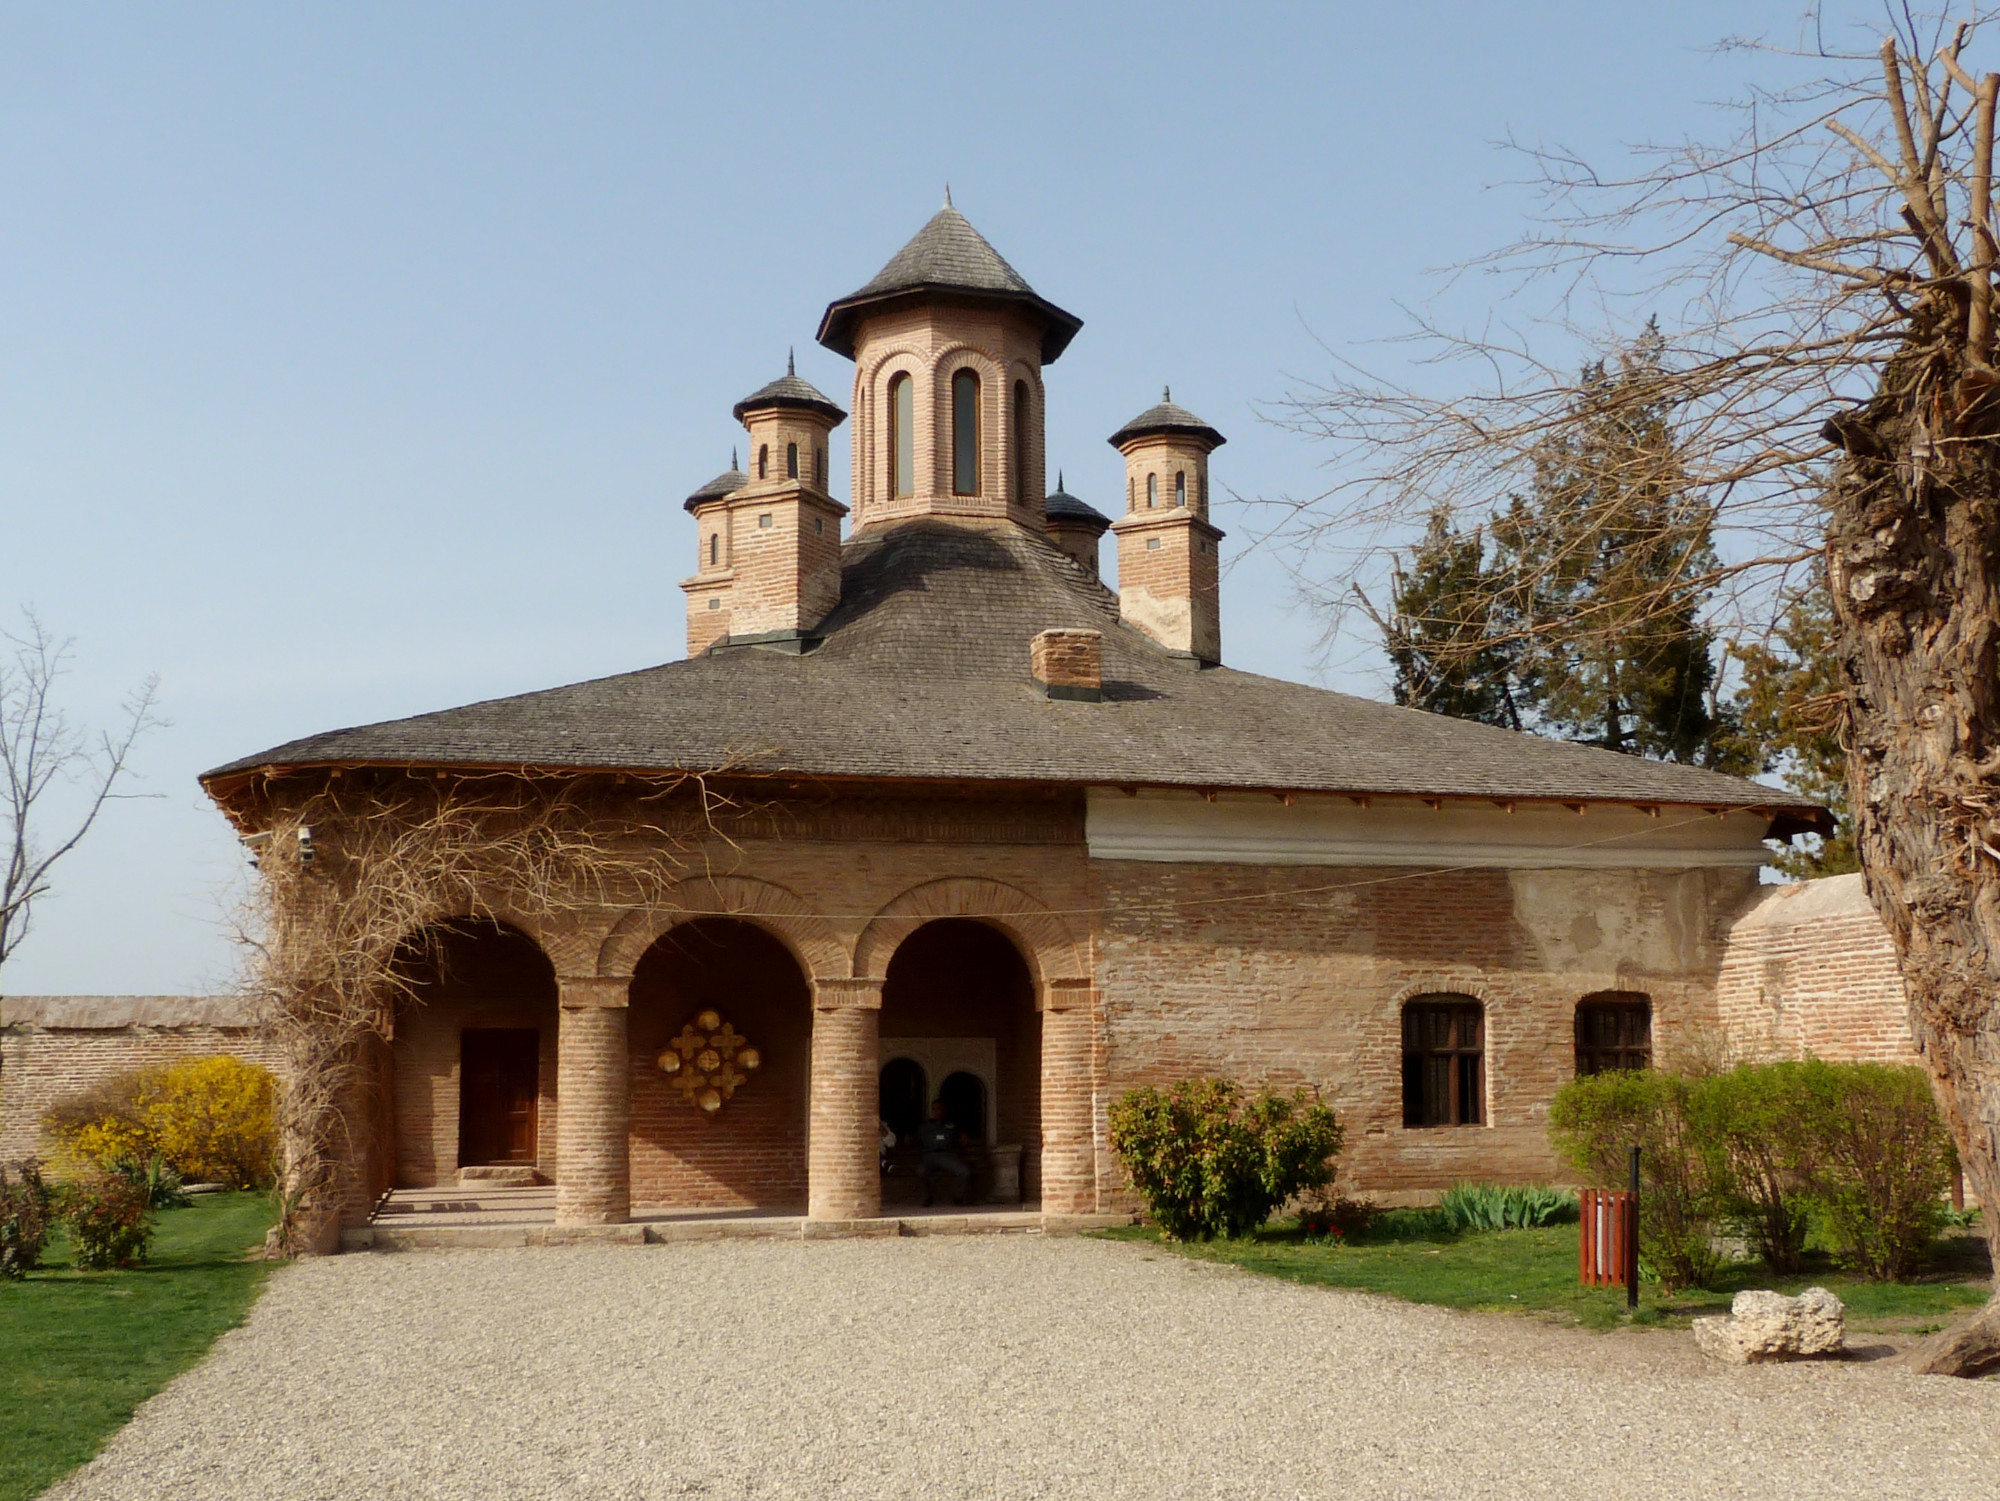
(1444, 1061)
(763, 460)
(1180, 487)
(965, 433)
(958, 1007)
(473, 1062)
(722, 1125)
(714, 548)
(902, 435)
(791, 461)
(905, 1096)
(819, 467)
(1022, 488)
(1152, 492)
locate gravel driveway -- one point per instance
(985, 1367)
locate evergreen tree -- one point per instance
(1440, 636)
(1791, 702)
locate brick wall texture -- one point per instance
(55, 1047)
(825, 926)
(1067, 659)
(1810, 970)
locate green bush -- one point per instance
(1208, 1162)
(108, 1220)
(1493, 1206)
(1768, 1148)
(161, 1184)
(1596, 1119)
(1882, 1162)
(25, 1213)
(1754, 1115)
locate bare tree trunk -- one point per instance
(1913, 561)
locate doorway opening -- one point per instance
(498, 1093)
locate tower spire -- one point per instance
(947, 194)
(791, 367)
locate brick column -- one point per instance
(1069, 1157)
(593, 1105)
(843, 1179)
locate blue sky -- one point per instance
(354, 359)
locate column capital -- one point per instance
(1067, 993)
(594, 991)
(862, 992)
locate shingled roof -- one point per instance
(728, 482)
(1063, 506)
(789, 391)
(947, 258)
(923, 673)
(1165, 417)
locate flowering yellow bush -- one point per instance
(213, 1119)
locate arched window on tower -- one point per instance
(791, 461)
(1152, 492)
(1180, 487)
(902, 435)
(965, 433)
(1021, 491)
(714, 548)
(1130, 503)
(819, 467)
(763, 460)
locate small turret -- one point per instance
(1074, 526)
(1168, 568)
(769, 561)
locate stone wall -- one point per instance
(56, 1046)
(1810, 970)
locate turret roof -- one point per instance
(1165, 417)
(950, 259)
(728, 482)
(1064, 506)
(789, 391)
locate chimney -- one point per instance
(1068, 664)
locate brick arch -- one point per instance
(993, 388)
(870, 432)
(1472, 987)
(1053, 957)
(783, 913)
(567, 953)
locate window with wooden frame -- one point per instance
(791, 461)
(1444, 1061)
(1614, 1030)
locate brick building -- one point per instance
(1009, 838)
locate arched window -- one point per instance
(965, 433)
(902, 436)
(763, 459)
(1130, 504)
(1614, 1030)
(1444, 1062)
(1020, 440)
(714, 548)
(791, 461)
(1152, 491)
(1180, 487)
(819, 467)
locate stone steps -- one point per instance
(466, 1234)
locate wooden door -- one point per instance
(499, 1080)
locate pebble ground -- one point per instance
(985, 1367)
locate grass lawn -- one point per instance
(1534, 1271)
(80, 1350)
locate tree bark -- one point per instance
(1913, 568)
(1972, 1349)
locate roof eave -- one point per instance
(836, 327)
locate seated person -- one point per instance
(940, 1140)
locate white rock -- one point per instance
(1770, 1326)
